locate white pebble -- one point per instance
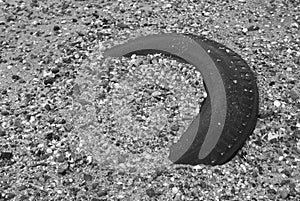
(49, 150)
(175, 190)
(89, 159)
(295, 25)
(277, 103)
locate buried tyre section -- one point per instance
(229, 113)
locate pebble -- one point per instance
(89, 159)
(284, 193)
(206, 14)
(175, 127)
(49, 151)
(60, 158)
(87, 177)
(253, 28)
(102, 192)
(296, 134)
(175, 190)
(150, 192)
(15, 77)
(56, 28)
(9, 196)
(122, 25)
(95, 199)
(295, 25)
(6, 155)
(49, 80)
(5, 112)
(156, 93)
(277, 103)
(295, 93)
(62, 168)
(55, 70)
(2, 133)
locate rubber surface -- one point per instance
(229, 113)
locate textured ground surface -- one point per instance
(77, 126)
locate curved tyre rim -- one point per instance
(229, 113)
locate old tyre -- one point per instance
(229, 113)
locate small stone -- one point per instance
(62, 169)
(95, 199)
(9, 196)
(89, 159)
(49, 136)
(88, 177)
(122, 25)
(168, 5)
(47, 107)
(253, 28)
(177, 197)
(277, 103)
(296, 134)
(104, 83)
(150, 192)
(175, 127)
(6, 155)
(295, 25)
(15, 77)
(295, 93)
(95, 185)
(286, 172)
(49, 80)
(101, 96)
(175, 190)
(271, 191)
(2, 133)
(55, 70)
(206, 14)
(60, 158)
(5, 112)
(4, 92)
(284, 193)
(102, 192)
(120, 197)
(49, 151)
(35, 23)
(156, 93)
(245, 30)
(56, 28)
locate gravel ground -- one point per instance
(77, 126)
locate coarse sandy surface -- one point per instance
(77, 126)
